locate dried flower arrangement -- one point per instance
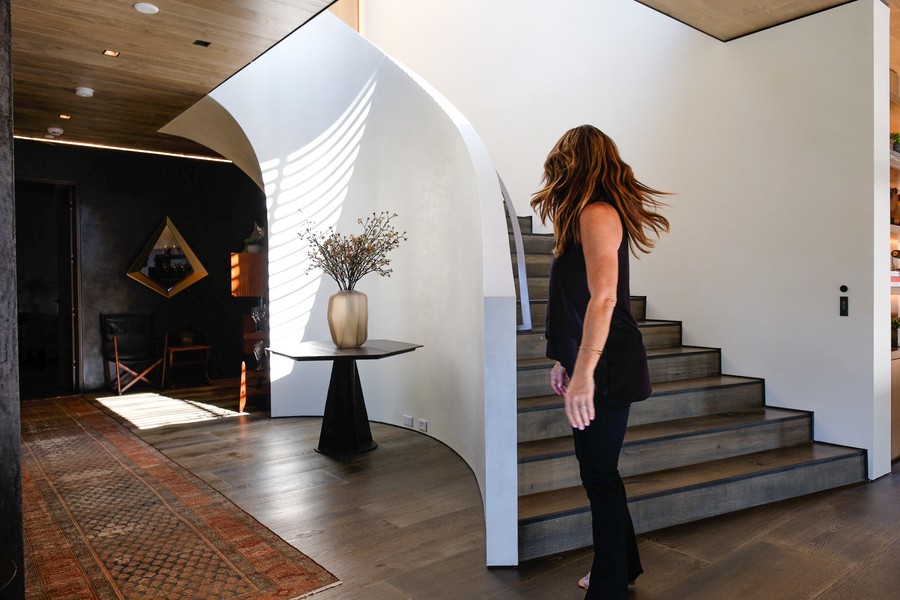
(346, 259)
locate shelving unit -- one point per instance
(248, 280)
(895, 229)
(895, 165)
(895, 244)
(895, 286)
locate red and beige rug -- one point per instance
(107, 516)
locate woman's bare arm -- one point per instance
(601, 235)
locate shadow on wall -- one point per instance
(309, 185)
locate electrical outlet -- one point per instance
(423, 425)
(407, 421)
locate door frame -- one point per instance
(68, 196)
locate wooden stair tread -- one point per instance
(544, 299)
(735, 468)
(561, 446)
(643, 323)
(548, 448)
(714, 422)
(524, 364)
(539, 402)
(679, 351)
(556, 502)
(687, 385)
(548, 504)
(650, 323)
(659, 389)
(535, 330)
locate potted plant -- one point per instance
(895, 141)
(253, 244)
(346, 259)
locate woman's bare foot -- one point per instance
(585, 582)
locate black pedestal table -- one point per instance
(345, 423)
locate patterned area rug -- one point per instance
(107, 516)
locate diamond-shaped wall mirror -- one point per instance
(167, 264)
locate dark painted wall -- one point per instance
(10, 450)
(122, 198)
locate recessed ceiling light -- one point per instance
(55, 130)
(65, 117)
(145, 8)
(113, 53)
(84, 92)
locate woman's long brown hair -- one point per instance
(584, 162)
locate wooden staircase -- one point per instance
(703, 444)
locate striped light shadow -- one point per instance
(307, 185)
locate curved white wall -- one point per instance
(341, 131)
(774, 143)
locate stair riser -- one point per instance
(550, 536)
(689, 366)
(697, 403)
(536, 265)
(639, 307)
(533, 243)
(542, 424)
(526, 224)
(661, 336)
(551, 474)
(531, 345)
(538, 287)
(539, 309)
(535, 382)
(551, 422)
(657, 455)
(534, 344)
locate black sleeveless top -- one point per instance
(622, 375)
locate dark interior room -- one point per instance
(101, 207)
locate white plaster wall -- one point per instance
(341, 132)
(773, 143)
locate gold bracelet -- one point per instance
(599, 352)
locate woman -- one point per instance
(598, 210)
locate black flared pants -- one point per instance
(616, 559)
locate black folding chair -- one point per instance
(129, 346)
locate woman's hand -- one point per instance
(579, 401)
(559, 379)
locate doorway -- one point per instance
(46, 280)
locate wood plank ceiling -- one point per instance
(161, 70)
(729, 19)
(163, 65)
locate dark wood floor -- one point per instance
(406, 522)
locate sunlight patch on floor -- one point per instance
(148, 411)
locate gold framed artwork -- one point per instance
(167, 264)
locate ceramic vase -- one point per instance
(348, 318)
